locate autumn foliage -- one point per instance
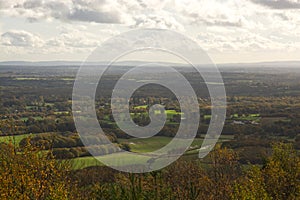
(31, 173)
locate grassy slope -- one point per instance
(14, 139)
(137, 145)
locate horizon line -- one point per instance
(216, 63)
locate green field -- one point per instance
(140, 146)
(83, 162)
(140, 107)
(250, 117)
(207, 117)
(28, 79)
(25, 119)
(14, 139)
(151, 144)
(61, 113)
(169, 113)
(31, 107)
(114, 159)
(49, 104)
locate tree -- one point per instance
(278, 179)
(282, 172)
(225, 169)
(32, 174)
(251, 187)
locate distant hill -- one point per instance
(42, 63)
(135, 63)
(264, 64)
(73, 63)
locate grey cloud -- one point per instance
(89, 3)
(282, 16)
(95, 16)
(57, 10)
(218, 20)
(32, 4)
(87, 11)
(98, 11)
(279, 4)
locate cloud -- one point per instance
(282, 16)
(95, 16)
(222, 25)
(279, 4)
(135, 13)
(220, 22)
(4, 4)
(72, 37)
(161, 20)
(242, 41)
(70, 40)
(21, 39)
(211, 13)
(99, 11)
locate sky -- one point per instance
(230, 31)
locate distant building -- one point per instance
(238, 122)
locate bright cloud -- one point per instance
(227, 26)
(21, 38)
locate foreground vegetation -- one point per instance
(31, 173)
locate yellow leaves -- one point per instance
(31, 174)
(282, 172)
(278, 179)
(251, 187)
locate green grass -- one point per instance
(141, 146)
(250, 117)
(25, 119)
(83, 162)
(235, 116)
(170, 113)
(61, 113)
(140, 107)
(27, 79)
(254, 115)
(49, 104)
(114, 159)
(15, 139)
(31, 107)
(207, 117)
(147, 144)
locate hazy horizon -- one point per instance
(229, 31)
(77, 62)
